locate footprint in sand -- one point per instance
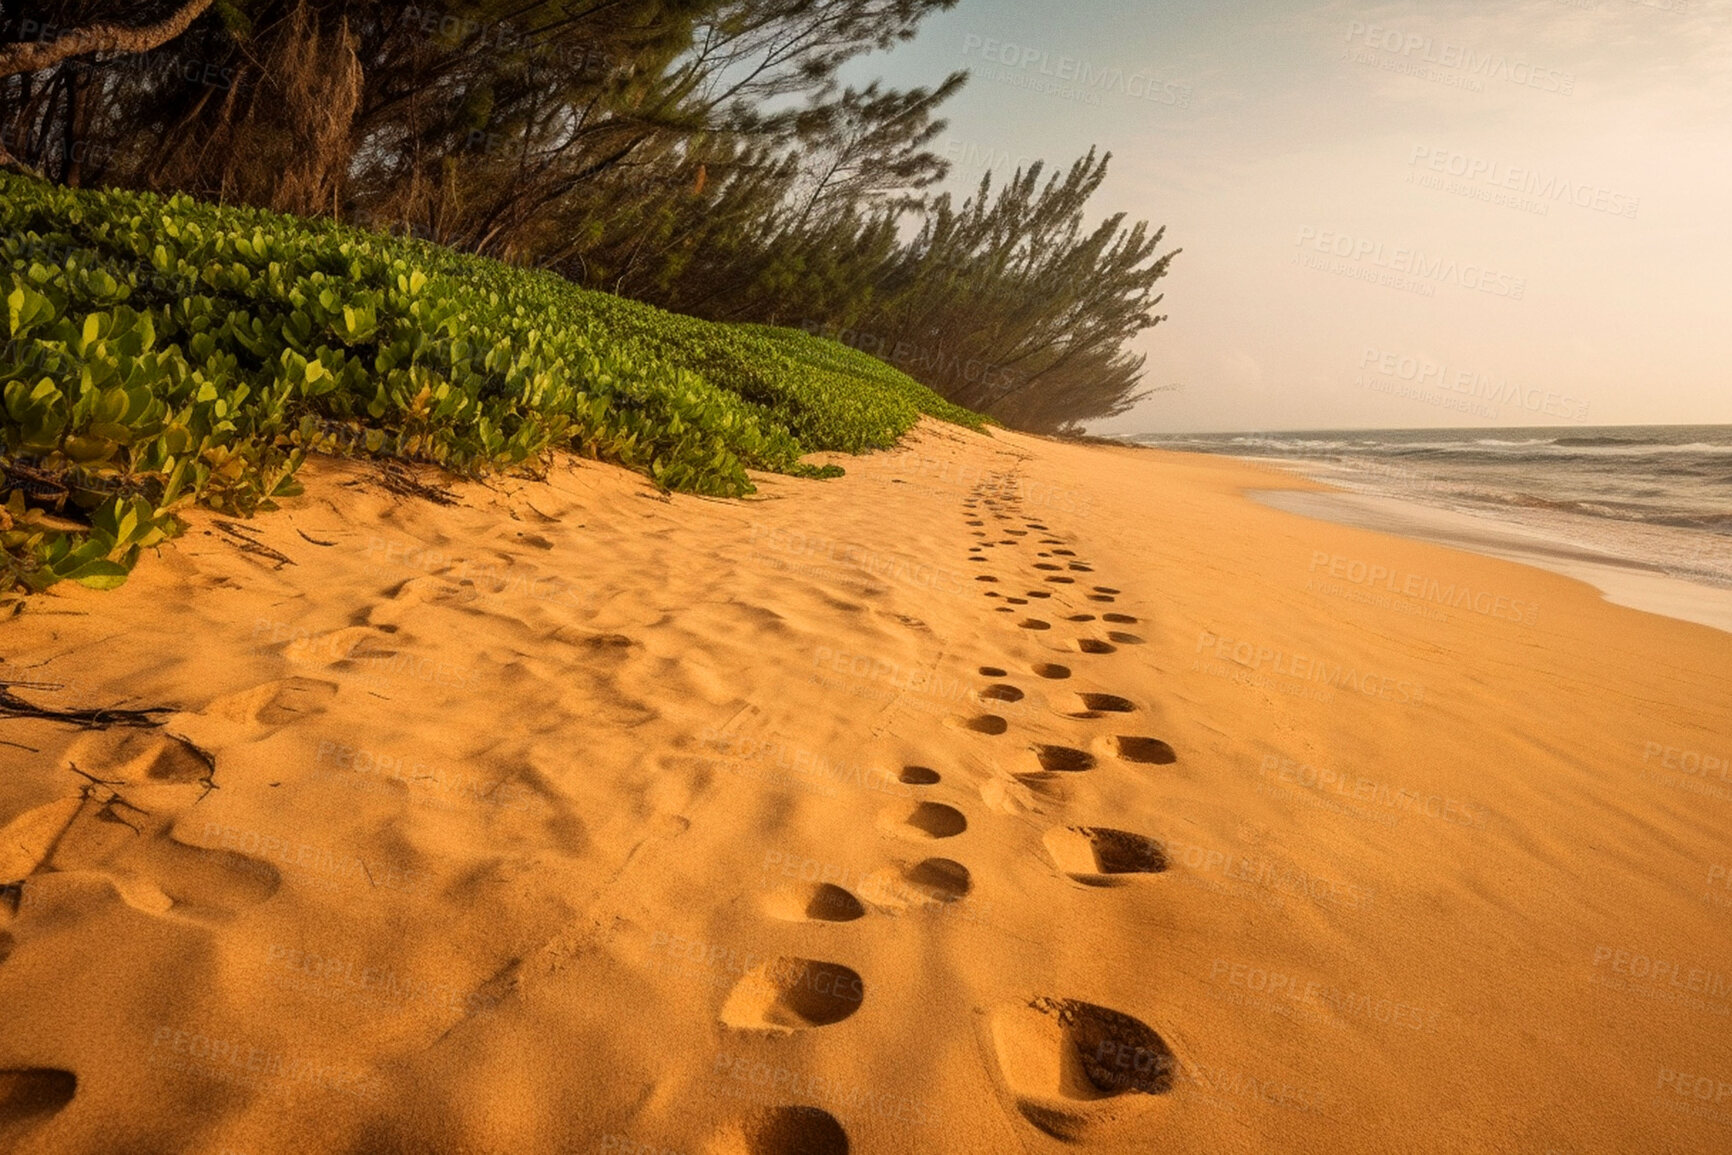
(985, 577)
(781, 1131)
(918, 776)
(1063, 581)
(276, 703)
(338, 649)
(939, 879)
(1149, 750)
(1098, 856)
(1040, 593)
(1080, 618)
(1024, 788)
(204, 884)
(1124, 639)
(930, 882)
(1047, 565)
(1034, 624)
(1001, 692)
(1073, 1067)
(1052, 670)
(1105, 590)
(29, 1097)
(814, 902)
(991, 672)
(1064, 759)
(131, 755)
(1095, 646)
(922, 821)
(31, 838)
(1096, 704)
(1119, 619)
(788, 994)
(990, 724)
(151, 869)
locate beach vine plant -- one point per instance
(161, 352)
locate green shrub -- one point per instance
(160, 352)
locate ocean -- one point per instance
(1659, 496)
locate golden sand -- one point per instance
(1002, 796)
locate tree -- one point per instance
(702, 155)
(1008, 305)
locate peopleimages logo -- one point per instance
(1412, 263)
(1693, 762)
(1359, 788)
(1307, 668)
(1422, 372)
(975, 157)
(1531, 182)
(1635, 964)
(918, 359)
(1454, 595)
(1140, 85)
(1418, 49)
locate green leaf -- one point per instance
(99, 575)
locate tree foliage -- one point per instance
(701, 155)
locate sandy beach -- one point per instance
(1005, 795)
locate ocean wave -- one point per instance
(1490, 448)
(1650, 448)
(1630, 492)
(1516, 452)
(1645, 514)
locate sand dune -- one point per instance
(1003, 795)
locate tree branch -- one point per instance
(35, 55)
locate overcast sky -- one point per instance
(1519, 208)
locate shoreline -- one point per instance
(1621, 581)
